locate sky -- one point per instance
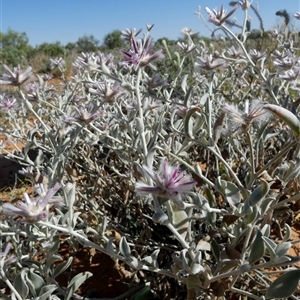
(67, 20)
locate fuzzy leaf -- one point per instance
(293, 171)
(134, 263)
(285, 115)
(20, 285)
(188, 122)
(110, 247)
(215, 249)
(258, 194)
(251, 217)
(35, 282)
(46, 291)
(284, 286)
(266, 230)
(179, 219)
(183, 83)
(140, 125)
(62, 267)
(230, 191)
(150, 157)
(154, 257)
(257, 249)
(76, 282)
(210, 197)
(184, 257)
(203, 99)
(124, 248)
(55, 243)
(282, 248)
(70, 194)
(271, 246)
(188, 96)
(288, 232)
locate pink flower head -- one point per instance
(8, 103)
(57, 62)
(290, 75)
(130, 34)
(33, 210)
(169, 183)
(219, 17)
(16, 76)
(209, 62)
(240, 121)
(107, 90)
(84, 114)
(297, 15)
(141, 54)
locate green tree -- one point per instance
(87, 44)
(41, 54)
(114, 40)
(51, 49)
(14, 48)
(71, 46)
(169, 42)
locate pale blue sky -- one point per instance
(67, 20)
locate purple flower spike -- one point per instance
(33, 210)
(169, 183)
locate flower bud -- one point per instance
(160, 217)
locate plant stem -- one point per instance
(248, 294)
(252, 160)
(8, 283)
(180, 239)
(29, 106)
(286, 148)
(246, 241)
(140, 110)
(249, 59)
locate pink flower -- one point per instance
(16, 76)
(209, 62)
(130, 34)
(141, 54)
(8, 103)
(290, 75)
(240, 121)
(57, 62)
(219, 17)
(84, 114)
(297, 15)
(107, 90)
(169, 183)
(33, 210)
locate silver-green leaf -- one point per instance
(284, 286)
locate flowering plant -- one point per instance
(190, 173)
